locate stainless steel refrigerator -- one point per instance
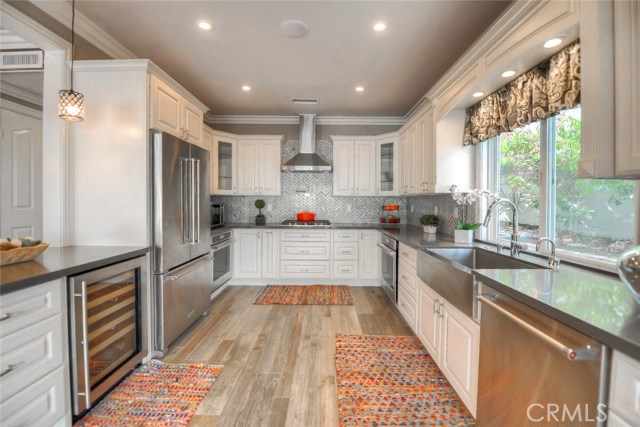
(182, 260)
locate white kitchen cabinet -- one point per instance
(408, 144)
(624, 390)
(354, 164)
(173, 113)
(407, 285)
(255, 253)
(387, 165)
(369, 255)
(419, 153)
(453, 340)
(224, 163)
(259, 163)
(305, 254)
(610, 94)
(34, 386)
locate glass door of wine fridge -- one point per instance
(107, 329)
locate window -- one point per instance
(536, 167)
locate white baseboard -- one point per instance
(264, 282)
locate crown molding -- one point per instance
(294, 120)
(21, 109)
(20, 93)
(85, 28)
(17, 22)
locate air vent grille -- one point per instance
(307, 101)
(21, 60)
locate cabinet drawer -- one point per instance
(345, 236)
(408, 255)
(301, 269)
(625, 387)
(345, 269)
(407, 280)
(305, 235)
(39, 405)
(345, 250)
(28, 306)
(31, 352)
(408, 308)
(302, 251)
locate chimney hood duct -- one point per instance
(307, 160)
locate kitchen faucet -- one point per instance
(554, 262)
(515, 247)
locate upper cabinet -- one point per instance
(259, 163)
(419, 153)
(387, 170)
(224, 162)
(174, 114)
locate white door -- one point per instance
(270, 172)
(365, 168)
(369, 255)
(247, 253)
(343, 168)
(429, 321)
(21, 188)
(270, 246)
(248, 167)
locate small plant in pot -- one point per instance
(430, 223)
(260, 219)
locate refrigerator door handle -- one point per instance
(184, 270)
(186, 202)
(196, 198)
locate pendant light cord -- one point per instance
(73, 37)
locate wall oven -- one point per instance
(221, 249)
(217, 215)
(389, 262)
(108, 333)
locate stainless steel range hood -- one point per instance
(307, 160)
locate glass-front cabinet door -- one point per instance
(225, 165)
(386, 170)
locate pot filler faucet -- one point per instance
(516, 247)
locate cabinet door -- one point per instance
(270, 246)
(247, 254)
(387, 168)
(270, 162)
(429, 321)
(248, 167)
(365, 168)
(343, 168)
(409, 161)
(166, 113)
(369, 255)
(224, 168)
(459, 357)
(419, 154)
(425, 153)
(192, 123)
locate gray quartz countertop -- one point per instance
(55, 263)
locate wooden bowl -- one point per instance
(14, 256)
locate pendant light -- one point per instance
(70, 102)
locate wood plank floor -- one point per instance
(278, 360)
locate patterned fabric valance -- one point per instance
(537, 94)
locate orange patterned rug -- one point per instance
(305, 295)
(156, 395)
(393, 381)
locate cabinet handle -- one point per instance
(442, 310)
(8, 316)
(10, 368)
(436, 305)
(404, 277)
(344, 270)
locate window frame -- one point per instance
(487, 165)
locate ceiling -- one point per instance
(26, 85)
(396, 67)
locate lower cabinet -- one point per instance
(453, 339)
(624, 392)
(369, 255)
(255, 253)
(408, 286)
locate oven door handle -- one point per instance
(222, 245)
(386, 250)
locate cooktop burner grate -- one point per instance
(316, 223)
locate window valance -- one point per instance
(537, 94)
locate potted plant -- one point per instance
(260, 219)
(464, 229)
(429, 222)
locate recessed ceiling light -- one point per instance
(552, 43)
(478, 94)
(359, 89)
(509, 73)
(246, 88)
(379, 26)
(294, 29)
(205, 25)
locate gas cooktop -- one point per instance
(316, 223)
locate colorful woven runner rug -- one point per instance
(393, 381)
(305, 295)
(155, 395)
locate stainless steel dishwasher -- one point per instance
(535, 371)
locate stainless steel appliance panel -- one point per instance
(217, 215)
(389, 265)
(529, 363)
(221, 249)
(182, 295)
(171, 202)
(202, 195)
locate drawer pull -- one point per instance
(10, 368)
(304, 235)
(8, 316)
(345, 270)
(404, 277)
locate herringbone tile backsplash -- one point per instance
(314, 192)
